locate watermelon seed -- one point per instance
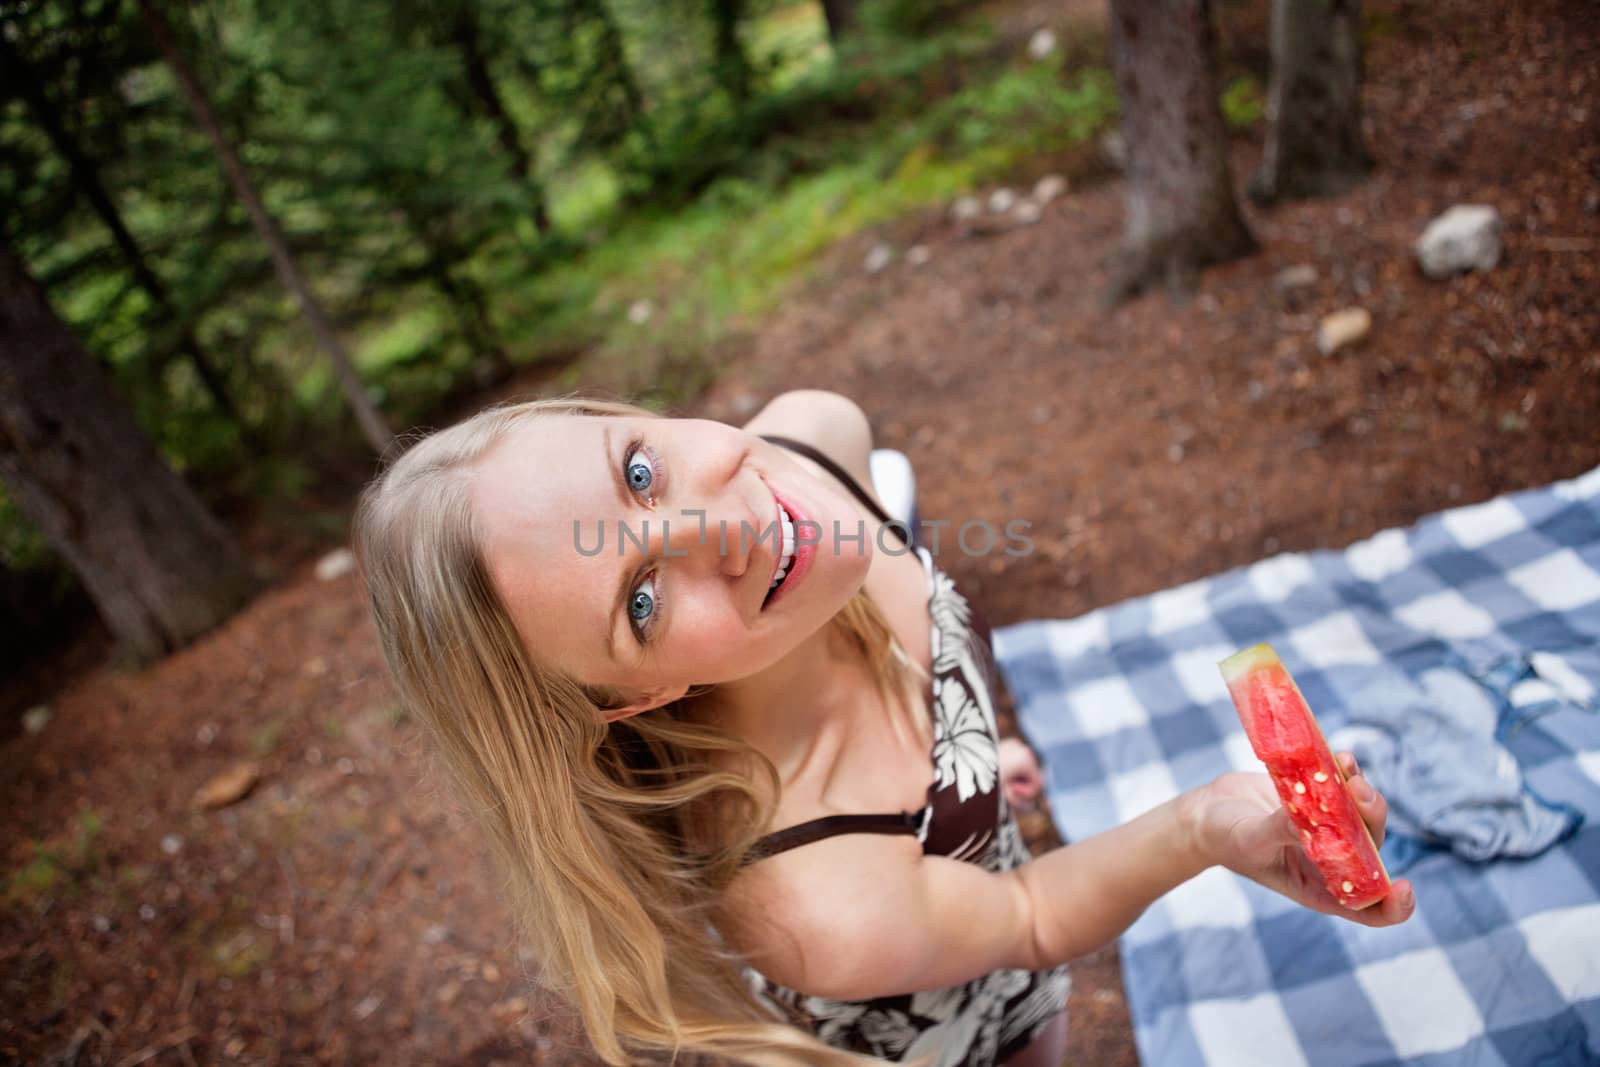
(1299, 787)
(1321, 776)
(1348, 886)
(1324, 807)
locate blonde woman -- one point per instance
(732, 740)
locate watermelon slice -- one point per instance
(1286, 738)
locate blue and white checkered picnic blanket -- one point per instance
(1500, 965)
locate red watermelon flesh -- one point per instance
(1286, 738)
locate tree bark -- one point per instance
(157, 564)
(1181, 210)
(1314, 141)
(841, 16)
(86, 179)
(266, 227)
(468, 39)
(728, 63)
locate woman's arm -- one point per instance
(859, 916)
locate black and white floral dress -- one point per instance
(987, 1020)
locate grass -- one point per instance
(736, 249)
(53, 870)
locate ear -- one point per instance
(647, 701)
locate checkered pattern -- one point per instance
(1501, 963)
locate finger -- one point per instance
(1395, 908)
(1371, 806)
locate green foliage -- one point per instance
(52, 870)
(1244, 102)
(471, 186)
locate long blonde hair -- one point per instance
(616, 839)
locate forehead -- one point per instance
(527, 492)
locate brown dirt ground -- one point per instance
(340, 915)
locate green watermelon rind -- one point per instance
(1235, 670)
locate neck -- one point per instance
(783, 712)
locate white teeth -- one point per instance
(786, 547)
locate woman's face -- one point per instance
(639, 553)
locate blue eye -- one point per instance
(641, 474)
(642, 604)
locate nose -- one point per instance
(706, 539)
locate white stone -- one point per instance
(35, 719)
(877, 259)
(640, 312)
(1001, 201)
(336, 564)
(1467, 237)
(1042, 43)
(1027, 212)
(172, 844)
(1048, 188)
(1342, 329)
(1299, 276)
(918, 255)
(1115, 147)
(966, 209)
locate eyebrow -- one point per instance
(623, 583)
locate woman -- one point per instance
(689, 681)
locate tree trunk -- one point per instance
(841, 16)
(468, 40)
(266, 227)
(158, 565)
(86, 179)
(1181, 211)
(728, 63)
(1314, 141)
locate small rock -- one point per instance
(1027, 213)
(435, 934)
(1342, 329)
(918, 255)
(490, 972)
(336, 564)
(172, 844)
(1115, 148)
(35, 719)
(448, 993)
(102, 924)
(1048, 188)
(229, 787)
(1299, 276)
(640, 312)
(1042, 43)
(1175, 453)
(368, 1005)
(147, 912)
(878, 258)
(509, 1010)
(1513, 422)
(1001, 201)
(316, 666)
(1467, 237)
(206, 734)
(966, 209)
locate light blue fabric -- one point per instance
(1430, 749)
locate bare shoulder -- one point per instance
(828, 421)
(800, 914)
(858, 916)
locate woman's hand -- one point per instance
(1020, 774)
(1239, 822)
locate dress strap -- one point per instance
(904, 822)
(843, 475)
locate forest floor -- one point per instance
(338, 913)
